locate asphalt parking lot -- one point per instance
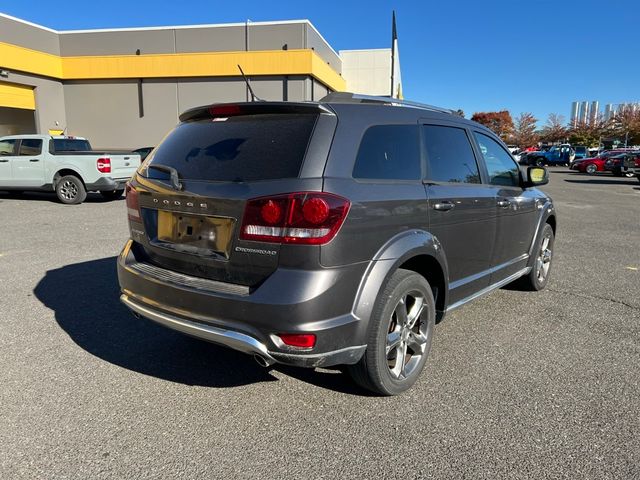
(519, 385)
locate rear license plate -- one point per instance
(197, 234)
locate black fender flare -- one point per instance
(387, 260)
(547, 210)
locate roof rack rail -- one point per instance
(348, 97)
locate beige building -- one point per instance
(124, 88)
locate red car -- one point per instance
(594, 164)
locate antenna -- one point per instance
(254, 97)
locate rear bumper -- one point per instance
(107, 184)
(248, 321)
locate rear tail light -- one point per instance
(299, 340)
(133, 206)
(104, 165)
(305, 218)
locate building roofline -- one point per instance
(173, 27)
(366, 50)
(26, 22)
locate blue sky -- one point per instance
(522, 55)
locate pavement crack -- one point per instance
(597, 297)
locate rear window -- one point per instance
(70, 145)
(243, 148)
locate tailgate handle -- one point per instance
(34, 160)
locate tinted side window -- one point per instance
(450, 155)
(30, 147)
(6, 147)
(500, 166)
(389, 152)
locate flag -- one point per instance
(396, 78)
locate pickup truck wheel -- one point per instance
(400, 333)
(591, 169)
(70, 190)
(629, 174)
(112, 194)
(543, 255)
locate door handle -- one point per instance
(444, 206)
(34, 160)
(4, 160)
(504, 203)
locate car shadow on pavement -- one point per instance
(85, 300)
(604, 181)
(92, 197)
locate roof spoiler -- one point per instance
(219, 110)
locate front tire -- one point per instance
(400, 334)
(539, 162)
(591, 169)
(538, 278)
(70, 190)
(112, 194)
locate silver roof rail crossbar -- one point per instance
(347, 97)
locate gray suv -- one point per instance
(328, 233)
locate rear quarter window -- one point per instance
(243, 148)
(389, 152)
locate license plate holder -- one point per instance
(198, 234)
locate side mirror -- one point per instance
(536, 176)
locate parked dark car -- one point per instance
(330, 233)
(623, 164)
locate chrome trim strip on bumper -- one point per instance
(229, 338)
(490, 288)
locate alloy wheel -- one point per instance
(407, 337)
(69, 190)
(543, 262)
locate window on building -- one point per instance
(389, 152)
(502, 169)
(450, 155)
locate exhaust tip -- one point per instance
(262, 361)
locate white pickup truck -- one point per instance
(63, 164)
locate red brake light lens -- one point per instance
(104, 165)
(224, 110)
(305, 218)
(299, 340)
(133, 205)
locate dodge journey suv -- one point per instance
(330, 233)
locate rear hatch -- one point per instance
(193, 189)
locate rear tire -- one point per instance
(400, 334)
(591, 169)
(112, 194)
(538, 278)
(70, 190)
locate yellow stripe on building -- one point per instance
(208, 64)
(17, 96)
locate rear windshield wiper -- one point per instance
(175, 176)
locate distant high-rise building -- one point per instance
(609, 111)
(574, 113)
(593, 112)
(583, 112)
